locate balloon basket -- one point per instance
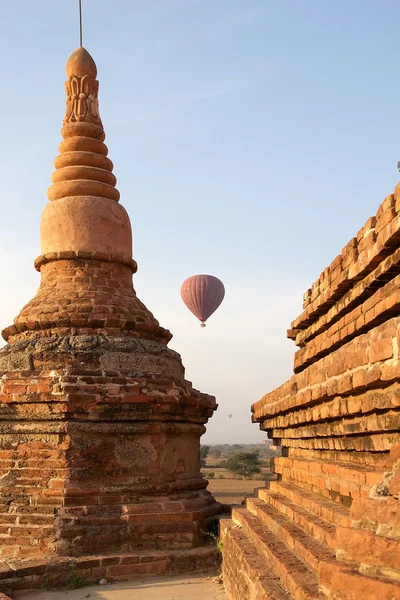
(202, 324)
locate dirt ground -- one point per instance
(174, 588)
(233, 491)
(228, 490)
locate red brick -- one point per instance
(381, 350)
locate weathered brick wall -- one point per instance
(85, 289)
(66, 572)
(329, 526)
(71, 436)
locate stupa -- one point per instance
(99, 430)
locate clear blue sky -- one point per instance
(251, 140)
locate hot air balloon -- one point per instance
(202, 294)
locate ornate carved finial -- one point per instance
(82, 89)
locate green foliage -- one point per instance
(211, 475)
(204, 452)
(74, 581)
(215, 539)
(245, 464)
(46, 582)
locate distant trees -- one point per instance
(215, 452)
(227, 451)
(245, 464)
(204, 450)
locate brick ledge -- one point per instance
(56, 572)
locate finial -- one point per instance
(82, 89)
(80, 63)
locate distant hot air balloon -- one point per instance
(229, 416)
(202, 294)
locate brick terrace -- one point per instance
(330, 526)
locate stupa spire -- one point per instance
(82, 167)
(83, 214)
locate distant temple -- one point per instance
(99, 430)
(330, 526)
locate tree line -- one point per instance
(242, 460)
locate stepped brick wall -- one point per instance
(329, 527)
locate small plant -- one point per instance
(213, 535)
(216, 540)
(46, 582)
(74, 581)
(211, 475)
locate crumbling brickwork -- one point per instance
(329, 526)
(99, 430)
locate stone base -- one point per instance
(54, 573)
(99, 448)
